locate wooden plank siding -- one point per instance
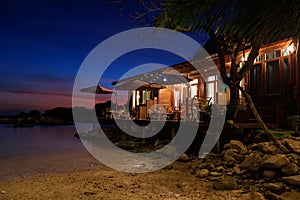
(276, 104)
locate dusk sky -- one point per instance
(43, 44)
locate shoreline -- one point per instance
(17, 166)
(170, 183)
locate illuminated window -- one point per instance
(272, 55)
(212, 87)
(259, 58)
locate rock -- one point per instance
(237, 170)
(226, 184)
(230, 152)
(270, 149)
(292, 180)
(215, 174)
(184, 158)
(294, 158)
(226, 146)
(202, 173)
(229, 174)
(202, 165)
(210, 166)
(257, 196)
(266, 157)
(213, 178)
(218, 162)
(235, 144)
(292, 145)
(220, 169)
(254, 147)
(270, 174)
(229, 158)
(290, 169)
(276, 162)
(272, 196)
(276, 188)
(229, 164)
(239, 158)
(252, 162)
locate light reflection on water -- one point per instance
(42, 149)
(19, 141)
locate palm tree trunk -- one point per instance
(261, 123)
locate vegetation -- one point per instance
(278, 134)
(232, 26)
(55, 116)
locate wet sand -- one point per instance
(21, 166)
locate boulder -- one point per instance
(270, 174)
(292, 145)
(276, 162)
(226, 184)
(290, 169)
(229, 158)
(230, 152)
(292, 180)
(272, 196)
(276, 188)
(270, 149)
(239, 158)
(237, 145)
(252, 162)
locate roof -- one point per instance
(180, 73)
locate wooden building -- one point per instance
(273, 83)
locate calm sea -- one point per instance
(40, 150)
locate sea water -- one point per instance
(41, 149)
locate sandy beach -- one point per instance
(50, 163)
(99, 182)
(94, 181)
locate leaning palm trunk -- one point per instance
(261, 123)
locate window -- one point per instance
(272, 55)
(259, 58)
(286, 72)
(272, 77)
(210, 91)
(212, 87)
(285, 52)
(194, 87)
(256, 80)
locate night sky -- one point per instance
(43, 44)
